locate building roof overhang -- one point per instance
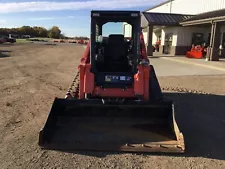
(204, 18)
(162, 19)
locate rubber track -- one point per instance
(73, 90)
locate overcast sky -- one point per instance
(72, 16)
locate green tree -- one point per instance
(43, 32)
(54, 32)
(26, 30)
(40, 32)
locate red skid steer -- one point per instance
(115, 102)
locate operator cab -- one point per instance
(112, 54)
(113, 58)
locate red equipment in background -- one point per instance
(156, 46)
(81, 41)
(197, 52)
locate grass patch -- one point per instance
(48, 39)
(22, 41)
(30, 40)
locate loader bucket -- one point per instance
(94, 125)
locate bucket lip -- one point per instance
(153, 148)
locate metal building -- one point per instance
(177, 24)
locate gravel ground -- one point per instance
(32, 75)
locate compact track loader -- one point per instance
(115, 102)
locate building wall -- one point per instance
(145, 34)
(172, 30)
(156, 34)
(182, 36)
(162, 33)
(222, 40)
(185, 34)
(222, 29)
(154, 37)
(162, 9)
(192, 7)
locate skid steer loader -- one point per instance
(115, 102)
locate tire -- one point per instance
(155, 92)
